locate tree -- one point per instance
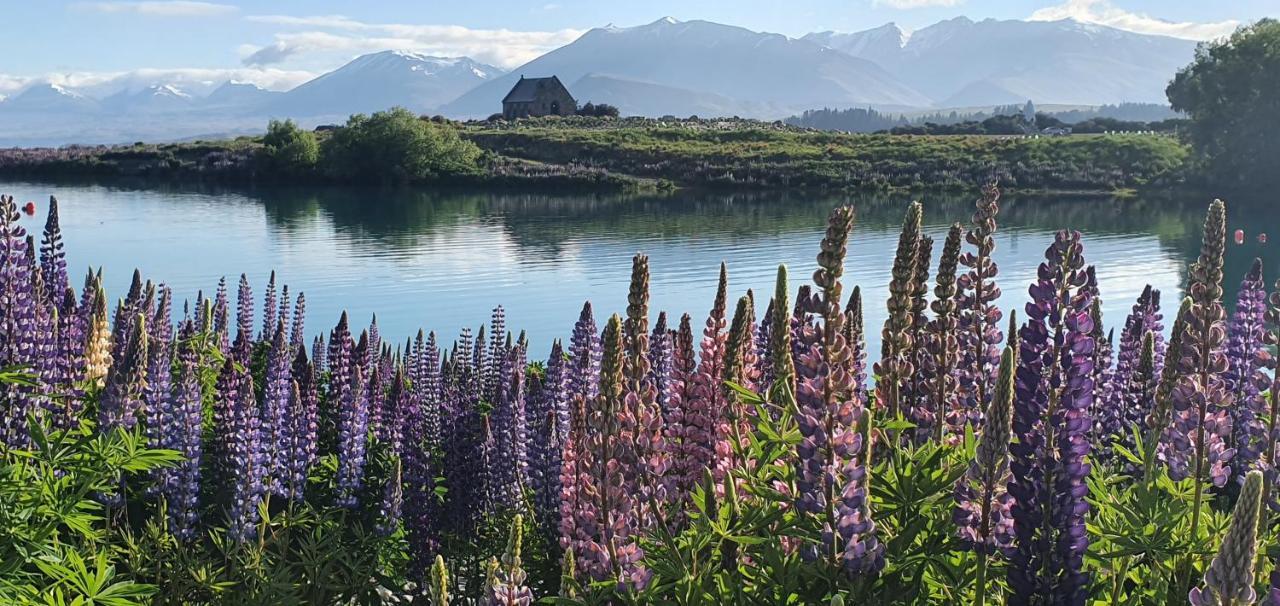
(394, 146)
(1231, 91)
(289, 149)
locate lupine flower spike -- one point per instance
(1229, 579)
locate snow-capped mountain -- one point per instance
(49, 98)
(960, 62)
(156, 98)
(750, 68)
(241, 96)
(378, 81)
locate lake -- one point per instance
(442, 260)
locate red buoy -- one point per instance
(29, 208)
(1262, 238)
(1239, 236)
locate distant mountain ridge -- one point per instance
(660, 68)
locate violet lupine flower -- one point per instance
(374, 395)
(53, 260)
(375, 345)
(70, 363)
(1229, 579)
(980, 334)
(158, 391)
(914, 399)
(943, 349)
(1161, 441)
(763, 337)
(584, 354)
(122, 400)
(422, 513)
(660, 344)
(19, 334)
(340, 359)
(298, 339)
(401, 412)
(682, 472)
(1201, 400)
(1051, 432)
(241, 452)
(896, 365)
(319, 355)
(707, 396)
(180, 485)
(304, 425)
(831, 480)
(1244, 377)
(548, 417)
(509, 426)
(222, 316)
(1273, 590)
(427, 387)
(983, 512)
(276, 426)
(508, 585)
(353, 434)
(1117, 409)
(243, 345)
(269, 311)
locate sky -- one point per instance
(103, 45)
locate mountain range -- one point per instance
(665, 67)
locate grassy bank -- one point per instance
(743, 154)
(595, 154)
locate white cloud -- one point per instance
(502, 47)
(1102, 12)
(167, 8)
(909, 4)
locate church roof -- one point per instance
(526, 90)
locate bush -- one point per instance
(394, 146)
(289, 149)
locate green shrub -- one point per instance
(394, 146)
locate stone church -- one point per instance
(538, 97)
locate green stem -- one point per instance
(980, 592)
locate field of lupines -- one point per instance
(1023, 459)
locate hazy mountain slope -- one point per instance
(750, 68)
(381, 80)
(635, 98)
(963, 62)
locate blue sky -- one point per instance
(278, 44)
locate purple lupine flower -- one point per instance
(1119, 408)
(243, 345)
(682, 473)
(222, 316)
(1051, 432)
(980, 334)
(916, 404)
(375, 397)
(276, 427)
(71, 363)
(19, 334)
(1201, 401)
(896, 365)
(353, 434)
(339, 358)
(298, 340)
(122, 400)
(427, 387)
(400, 408)
(319, 355)
(763, 337)
(831, 480)
(509, 425)
(660, 361)
(53, 260)
(269, 311)
(421, 508)
(180, 485)
(646, 461)
(375, 345)
(983, 512)
(304, 424)
(241, 450)
(1244, 377)
(1229, 578)
(548, 416)
(157, 395)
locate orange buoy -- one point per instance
(29, 208)
(1239, 236)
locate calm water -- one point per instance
(442, 260)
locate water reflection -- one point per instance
(441, 259)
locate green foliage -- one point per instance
(395, 146)
(290, 150)
(55, 540)
(1232, 93)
